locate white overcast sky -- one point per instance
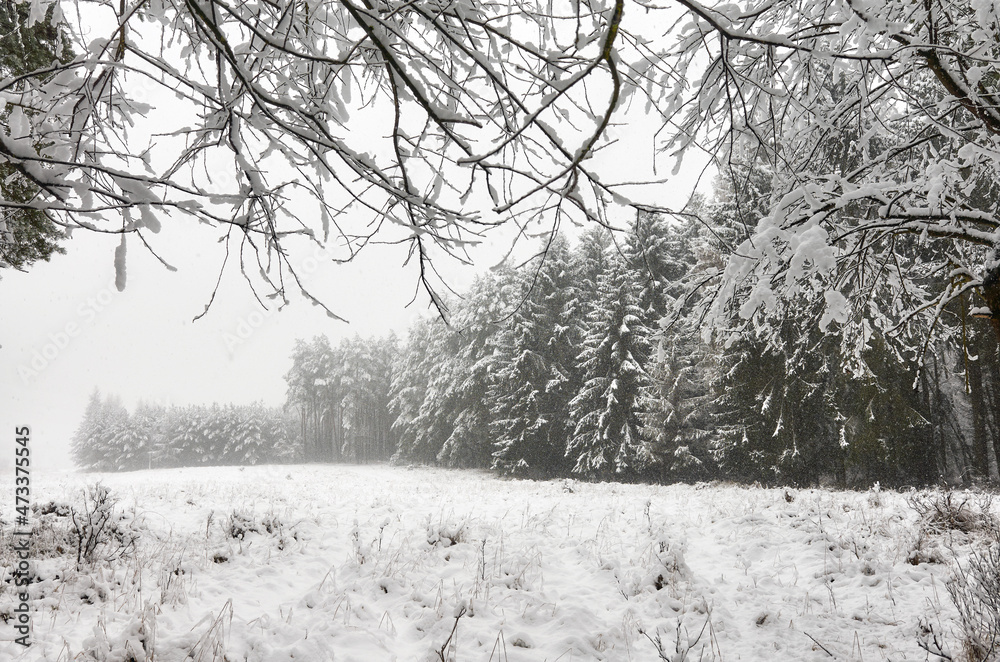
(67, 330)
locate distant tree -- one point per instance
(281, 431)
(186, 435)
(679, 423)
(660, 250)
(418, 437)
(467, 369)
(149, 422)
(106, 440)
(364, 372)
(167, 451)
(129, 444)
(893, 435)
(85, 444)
(314, 389)
(109, 439)
(591, 259)
(981, 368)
(778, 413)
(678, 407)
(439, 390)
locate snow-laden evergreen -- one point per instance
(439, 390)
(536, 372)
(111, 439)
(594, 361)
(606, 413)
(679, 422)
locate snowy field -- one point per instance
(345, 563)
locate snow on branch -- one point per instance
(348, 123)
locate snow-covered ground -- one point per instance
(374, 563)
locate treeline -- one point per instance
(593, 360)
(111, 439)
(341, 395)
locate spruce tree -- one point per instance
(678, 411)
(467, 370)
(660, 252)
(606, 439)
(85, 444)
(438, 393)
(26, 235)
(410, 391)
(535, 378)
(678, 420)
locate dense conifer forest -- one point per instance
(593, 360)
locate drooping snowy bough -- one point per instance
(879, 126)
(876, 125)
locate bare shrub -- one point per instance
(52, 534)
(974, 586)
(684, 641)
(238, 524)
(975, 589)
(926, 549)
(951, 511)
(99, 529)
(446, 534)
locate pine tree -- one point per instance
(26, 235)
(535, 378)
(314, 389)
(606, 439)
(164, 446)
(591, 259)
(889, 434)
(678, 421)
(467, 370)
(191, 436)
(128, 445)
(421, 355)
(282, 441)
(660, 251)
(105, 441)
(252, 446)
(85, 443)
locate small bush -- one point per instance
(58, 509)
(52, 534)
(239, 525)
(974, 587)
(975, 590)
(949, 511)
(446, 534)
(99, 530)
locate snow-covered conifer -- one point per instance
(535, 369)
(606, 439)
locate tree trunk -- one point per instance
(991, 291)
(303, 428)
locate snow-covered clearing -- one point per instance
(388, 563)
